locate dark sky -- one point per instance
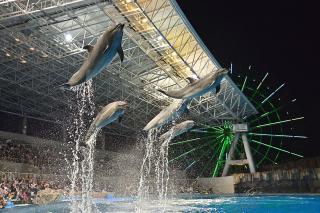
(279, 37)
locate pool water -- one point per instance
(195, 203)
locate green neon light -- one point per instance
(262, 155)
(273, 135)
(282, 150)
(244, 83)
(208, 163)
(278, 122)
(186, 141)
(266, 114)
(192, 150)
(196, 161)
(226, 142)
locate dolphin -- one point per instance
(107, 115)
(177, 130)
(198, 87)
(174, 110)
(100, 55)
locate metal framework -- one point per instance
(161, 50)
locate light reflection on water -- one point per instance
(194, 203)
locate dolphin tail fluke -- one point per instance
(121, 54)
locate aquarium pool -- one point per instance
(195, 203)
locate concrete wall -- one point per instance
(279, 181)
(218, 185)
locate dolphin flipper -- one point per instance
(218, 87)
(121, 54)
(191, 80)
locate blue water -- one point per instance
(196, 203)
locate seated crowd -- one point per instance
(21, 190)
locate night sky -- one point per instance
(279, 37)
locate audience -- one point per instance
(22, 190)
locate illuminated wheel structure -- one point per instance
(205, 151)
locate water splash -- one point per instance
(81, 171)
(147, 163)
(162, 169)
(87, 169)
(154, 173)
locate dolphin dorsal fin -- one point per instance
(191, 80)
(88, 47)
(120, 52)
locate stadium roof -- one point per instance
(41, 47)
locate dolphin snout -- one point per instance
(123, 104)
(224, 71)
(190, 124)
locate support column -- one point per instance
(239, 129)
(230, 154)
(248, 153)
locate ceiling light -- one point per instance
(163, 44)
(159, 38)
(174, 54)
(144, 20)
(68, 37)
(32, 48)
(23, 61)
(128, 1)
(17, 40)
(8, 54)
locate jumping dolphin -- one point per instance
(174, 110)
(107, 115)
(100, 55)
(177, 130)
(198, 87)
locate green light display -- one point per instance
(205, 151)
